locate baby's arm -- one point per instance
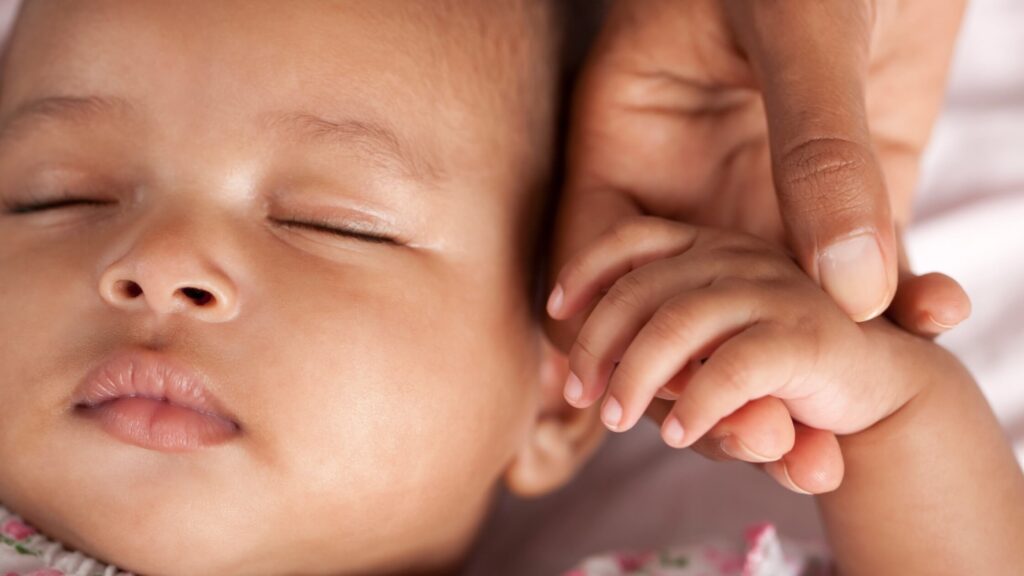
(933, 488)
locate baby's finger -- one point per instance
(929, 305)
(629, 245)
(753, 364)
(620, 315)
(814, 466)
(760, 431)
(584, 215)
(681, 330)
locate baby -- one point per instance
(307, 236)
(268, 305)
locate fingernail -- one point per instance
(944, 325)
(573, 389)
(611, 413)
(555, 300)
(853, 272)
(789, 480)
(738, 450)
(672, 432)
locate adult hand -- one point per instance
(732, 113)
(800, 121)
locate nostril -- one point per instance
(197, 295)
(128, 289)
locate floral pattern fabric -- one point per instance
(762, 554)
(25, 552)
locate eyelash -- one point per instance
(352, 233)
(25, 208)
(21, 208)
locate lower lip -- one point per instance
(159, 425)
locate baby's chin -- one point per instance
(185, 548)
(142, 541)
(199, 536)
(145, 533)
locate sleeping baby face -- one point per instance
(265, 277)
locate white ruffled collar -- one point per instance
(27, 552)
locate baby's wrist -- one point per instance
(898, 363)
(918, 373)
(921, 475)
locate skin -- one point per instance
(384, 388)
(801, 122)
(932, 486)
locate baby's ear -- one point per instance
(561, 440)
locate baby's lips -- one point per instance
(146, 399)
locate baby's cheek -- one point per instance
(456, 420)
(411, 399)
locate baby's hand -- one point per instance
(713, 320)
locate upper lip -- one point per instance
(148, 375)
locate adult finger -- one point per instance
(810, 58)
(929, 305)
(760, 431)
(631, 136)
(801, 459)
(814, 466)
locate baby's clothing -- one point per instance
(26, 552)
(762, 554)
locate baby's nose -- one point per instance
(167, 277)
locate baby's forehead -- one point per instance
(400, 71)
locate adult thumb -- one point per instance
(811, 58)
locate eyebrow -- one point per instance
(74, 109)
(375, 140)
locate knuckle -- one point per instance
(826, 176)
(732, 374)
(827, 159)
(751, 261)
(799, 342)
(627, 293)
(583, 351)
(672, 324)
(770, 270)
(731, 286)
(746, 294)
